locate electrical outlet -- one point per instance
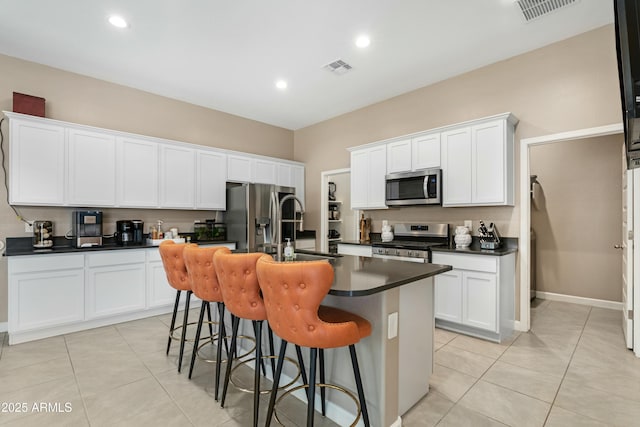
(28, 227)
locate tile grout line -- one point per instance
(154, 376)
(75, 378)
(473, 385)
(568, 365)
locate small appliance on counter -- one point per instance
(489, 237)
(129, 232)
(87, 229)
(42, 234)
(209, 230)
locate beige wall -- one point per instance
(572, 84)
(80, 99)
(569, 85)
(579, 219)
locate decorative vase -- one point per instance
(462, 237)
(387, 234)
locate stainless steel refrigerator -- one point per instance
(252, 214)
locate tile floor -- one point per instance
(571, 369)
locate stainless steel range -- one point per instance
(412, 242)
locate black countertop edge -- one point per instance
(432, 270)
(17, 246)
(509, 246)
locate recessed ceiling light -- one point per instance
(281, 84)
(363, 41)
(118, 21)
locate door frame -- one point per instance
(524, 324)
(324, 205)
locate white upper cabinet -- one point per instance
(297, 173)
(425, 151)
(285, 175)
(55, 163)
(456, 166)
(137, 173)
(239, 168)
(265, 171)
(177, 176)
(37, 162)
(399, 156)
(211, 175)
(368, 170)
(411, 154)
(92, 168)
(478, 163)
(491, 164)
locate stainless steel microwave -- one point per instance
(414, 188)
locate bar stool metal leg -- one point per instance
(210, 323)
(256, 374)
(322, 381)
(356, 372)
(276, 379)
(184, 329)
(235, 321)
(313, 356)
(173, 320)
(223, 334)
(197, 340)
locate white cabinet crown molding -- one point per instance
(118, 133)
(508, 116)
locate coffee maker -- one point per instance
(87, 228)
(129, 232)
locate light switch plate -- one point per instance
(469, 224)
(392, 325)
(28, 227)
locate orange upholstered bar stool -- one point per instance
(241, 293)
(204, 284)
(292, 293)
(174, 266)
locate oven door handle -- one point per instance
(401, 258)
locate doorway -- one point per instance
(337, 221)
(525, 206)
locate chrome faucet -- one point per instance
(281, 220)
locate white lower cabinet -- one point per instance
(477, 297)
(55, 294)
(115, 282)
(45, 292)
(159, 292)
(448, 296)
(355, 250)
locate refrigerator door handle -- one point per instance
(273, 213)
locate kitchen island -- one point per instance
(396, 360)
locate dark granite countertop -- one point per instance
(360, 276)
(16, 246)
(509, 246)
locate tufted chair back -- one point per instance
(292, 294)
(239, 284)
(173, 262)
(202, 273)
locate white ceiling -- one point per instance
(227, 55)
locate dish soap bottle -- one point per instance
(288, 251)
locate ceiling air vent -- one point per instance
(338, 67)
(533, 9)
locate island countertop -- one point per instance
(360, 276)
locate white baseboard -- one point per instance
(397, 423)
(601, 303)
(4, 326)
